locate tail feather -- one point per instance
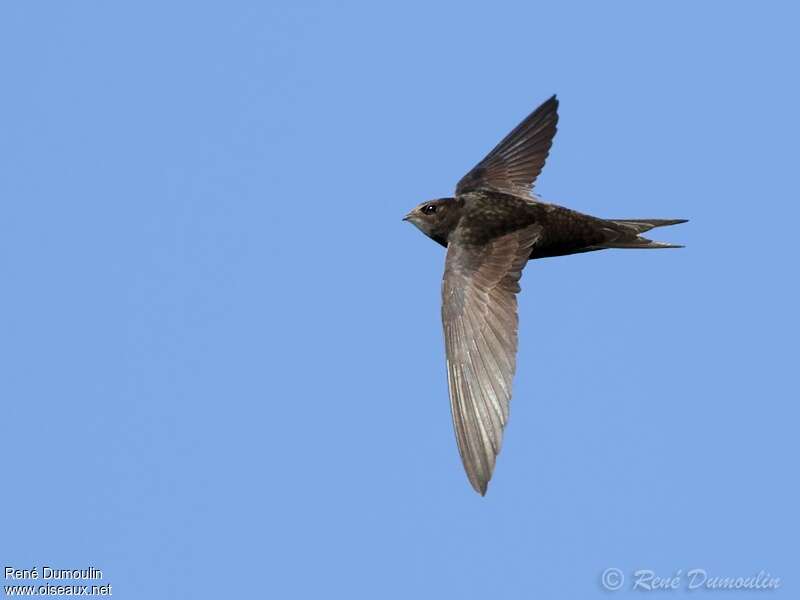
(642, 225)
(627, 233)
(640, 242)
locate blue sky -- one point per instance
(223, 369)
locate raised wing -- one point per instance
(479, 314)
(516, 162)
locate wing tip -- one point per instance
(550, 104)
(481, 487)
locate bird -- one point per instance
(491, 227)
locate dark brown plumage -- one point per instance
(491, 228)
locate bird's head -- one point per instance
(436, 218)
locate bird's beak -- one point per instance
(408, 216)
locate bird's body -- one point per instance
(492, 228)
(564, 231)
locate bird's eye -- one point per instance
(428, 209)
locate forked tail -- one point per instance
(628, 230)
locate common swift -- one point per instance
(491, 228)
